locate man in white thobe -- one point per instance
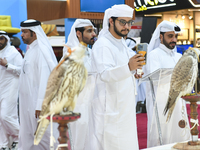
(162, 53)
(82, 30)
(10, 67)
(39, 61)
(114, 114)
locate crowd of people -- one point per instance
(108, 101)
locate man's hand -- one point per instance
(137, 76)
(136, 62)
(37, 113)
(3, 62)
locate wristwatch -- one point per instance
(6, 65)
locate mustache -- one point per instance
(22, 38)
(172, 43)
(94, 38)
(125, 30)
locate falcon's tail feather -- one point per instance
(170, 112)
(166, 107)
(170, 106)
(41, 128)
(171, 101)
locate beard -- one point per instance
(119, 33)
(26, 41)
(3, 45)
(88, 41)
(168, 44)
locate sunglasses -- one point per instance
(124, 22)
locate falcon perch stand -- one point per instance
(63, 121)
(194, 144)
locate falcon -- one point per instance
(65, 83)
(183, 78)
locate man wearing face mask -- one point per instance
(162, 53)
(10, 68)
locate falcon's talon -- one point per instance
(65, 109)
(76, 114)
(64, 113)
(190, 94)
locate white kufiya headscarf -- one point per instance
(121, 10)
(43, 41)
(72, 38)
(164, 26)
(4, 34)
(9, 52)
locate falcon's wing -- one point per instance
(85, 74)
(181, 76)
(53, 84)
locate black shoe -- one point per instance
(14, 146)
(4, 148)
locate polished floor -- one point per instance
(142, 126)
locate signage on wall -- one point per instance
(142, 5)
(98, 5)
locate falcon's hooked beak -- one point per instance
(64, 59)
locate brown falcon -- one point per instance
(65, 83)
(183, 78)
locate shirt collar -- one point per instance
(171, 52)
(33, 44)
(119, 41)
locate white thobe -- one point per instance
(162, 57)
(113, 106)
(33, 80)
(80, 129)
(9, 79)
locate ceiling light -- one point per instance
(183, 17)
(193, 9)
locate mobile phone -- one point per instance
(142, 49)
